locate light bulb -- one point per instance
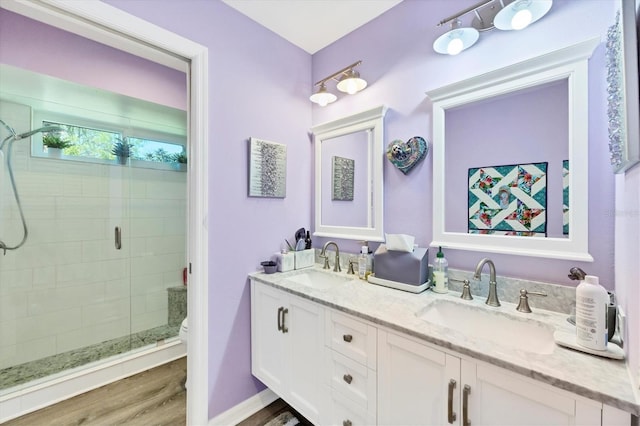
(521, 19)
(351, 86)
(322, 97)
(455, 46)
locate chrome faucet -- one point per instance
(336, 266)
(492, 298)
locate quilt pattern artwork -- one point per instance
(508, 200)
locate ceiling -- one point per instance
(312, 24)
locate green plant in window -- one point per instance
(52, 140)
(121, 148)
(180, 158)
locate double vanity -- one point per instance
(343, 351)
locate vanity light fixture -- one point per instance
(456, 40)
(521, 13)
(489, 14)
(322, 97)
(349, 81)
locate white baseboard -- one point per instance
(246, 408)
(86, 378)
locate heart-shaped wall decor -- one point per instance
(405, 155)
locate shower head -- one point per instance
(41, 129)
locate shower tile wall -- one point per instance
(67, 287)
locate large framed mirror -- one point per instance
(503, 182)
(348, 176)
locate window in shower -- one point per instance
(93, 142)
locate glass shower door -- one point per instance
(64, 294)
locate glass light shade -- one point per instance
(322, 97)
(521, 13)
(456, 40)
(351, 83)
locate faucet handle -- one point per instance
(352, 261)
(326, 262)
(523, 303)
(466, 291)
(466, 288)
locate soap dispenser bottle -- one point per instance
(364, 268)
(440, 273)
(592, 302)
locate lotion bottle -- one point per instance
(364, 268)
(592, 301)
(440, 273)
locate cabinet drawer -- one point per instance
(344, 413)
(352, 338)
(352, 380)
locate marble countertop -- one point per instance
(593, 377)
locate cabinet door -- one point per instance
(304, 325)
(499, 397)
(413, 383)
(267, 341)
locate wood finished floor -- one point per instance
(153, 397)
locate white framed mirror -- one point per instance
(483, 148)
(349, 157)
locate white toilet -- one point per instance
(184, 328)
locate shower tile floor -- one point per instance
(33, 370)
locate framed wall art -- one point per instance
(508, 200)
(267, 169)
(342, 176)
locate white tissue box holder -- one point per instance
(304, 258)
(286, 261)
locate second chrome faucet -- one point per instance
(492, 298)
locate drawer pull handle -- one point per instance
(285, 311)
(451, 416)
(466, 390)
(347, 423)
(347, 378)
(347, 338)
(280, 318)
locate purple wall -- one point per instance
(400, 66)
(25, 43)
(524, 127)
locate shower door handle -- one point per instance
(118, 237)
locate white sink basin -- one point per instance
(318, 279)
(506, 330)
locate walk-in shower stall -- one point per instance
(92, 246)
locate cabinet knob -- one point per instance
(347, 423)
(347, 338)
(347, 378)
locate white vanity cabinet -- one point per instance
(287, 349)
(420, 384)
(336, 368)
